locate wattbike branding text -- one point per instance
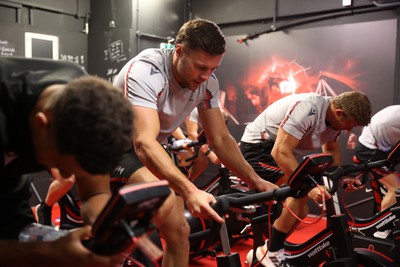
(318, 249)
(386, 221)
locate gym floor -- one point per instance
(302, 233)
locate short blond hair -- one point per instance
(355, 105)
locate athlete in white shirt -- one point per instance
(375, 141)
(296, 125)
(164, 86)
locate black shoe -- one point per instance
(43, 214)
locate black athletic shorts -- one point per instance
(259, 157)
(129, 164)
(364, 154)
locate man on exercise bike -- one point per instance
(164, 86)
(54, 116)
(374, 143)
(296, 125)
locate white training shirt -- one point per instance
(383, 132)
(148, 81)
(301, 115)
(194, 116)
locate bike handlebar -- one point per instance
(186, 143)
(240, 199)
(299, 184)
(302, 179)
(182, 144)
(344, 170)
(341, 171)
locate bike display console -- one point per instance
(127, 215)
(300, 181)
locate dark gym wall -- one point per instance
(242, 17)
(121, 29)
(64, 19)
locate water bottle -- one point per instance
(40, 232)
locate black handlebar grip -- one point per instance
(221, 206)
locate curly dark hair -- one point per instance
(93, 122)
(202, 34)
(355, 105)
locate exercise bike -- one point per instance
(331, 247)
(124, 223)
(363, 229)
(334, 245)
(204, 242)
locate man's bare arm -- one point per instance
(282, 152)
(192, 129)
(333, 148)
(156, 159)
(94, 193)
(227, 149)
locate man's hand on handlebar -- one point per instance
(262, 185)
(317, 193)
(199, 205)
(352, 184)
(186, 157)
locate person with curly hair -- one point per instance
(54, 116)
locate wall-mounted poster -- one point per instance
(41, 46)
(328, 60)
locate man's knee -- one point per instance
(299, 206)
(391, 181)
(141, 175)
(170, 219)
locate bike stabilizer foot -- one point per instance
(231, 260)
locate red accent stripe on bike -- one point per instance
(393, 149)
(378, 253)
(356, 160)
(361, 224)
(203, 226)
